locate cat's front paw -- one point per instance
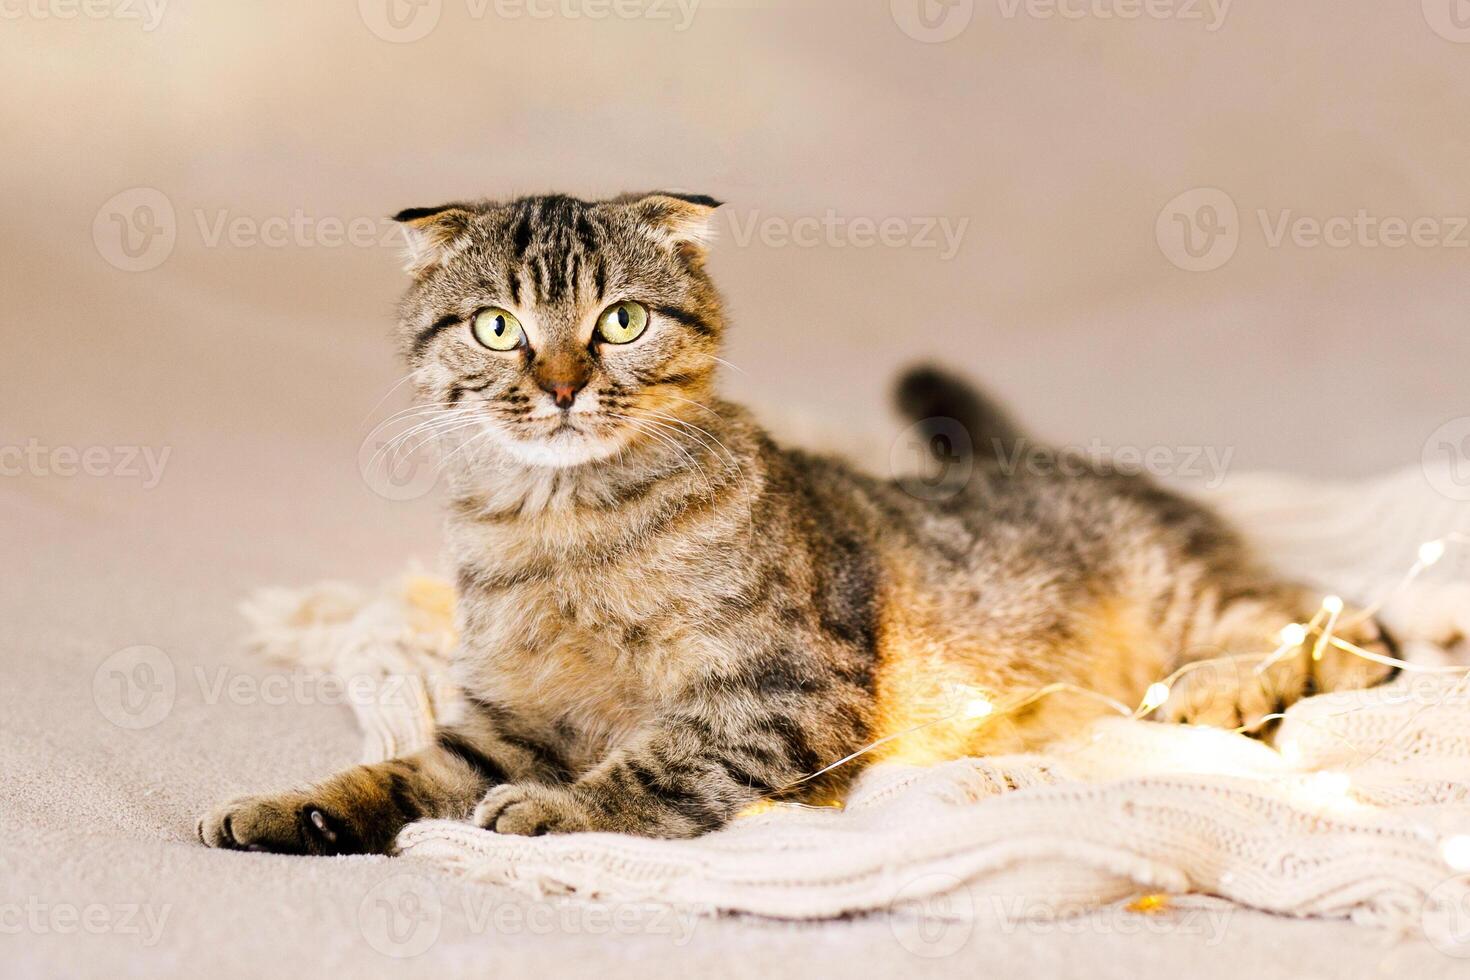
(283, 824)
(530, 810)
(1343, 671)
(1245, 693)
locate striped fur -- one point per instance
(665, 616)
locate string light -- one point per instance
(1333, 606)
(978, 707)
(1291, 636)
(1157, 694)
(1429, 553)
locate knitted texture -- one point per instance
(1348, 819)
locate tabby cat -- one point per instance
(665, 617)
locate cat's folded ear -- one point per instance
(685, 221)
(433, 234)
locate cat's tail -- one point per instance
(935, 400)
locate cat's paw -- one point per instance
(282, 824)
(1230, 694)
(529, 810)
(1237, 693)
(1342, 671)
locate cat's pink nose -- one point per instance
(562, 392)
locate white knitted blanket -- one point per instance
(1365, 813)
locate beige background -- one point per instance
(1059, 141)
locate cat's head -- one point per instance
(563, 330)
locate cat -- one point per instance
(665, 617)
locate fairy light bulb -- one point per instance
(1456, 851)
(979, 708)
(1333, 604)
(1157, 694)
(1430, 552)
(1326, 789)
(1293, 634)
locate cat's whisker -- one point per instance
(704, 436)
(425, 421)
(387, 394)
(438, 432)
(691, 401)
(647, 429)
(729, 364)
(442, 420)
(645, 426)
(669, 430)
(416, 411)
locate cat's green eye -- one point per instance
(497, 329)
(622, 322)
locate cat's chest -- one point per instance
(572, 653)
